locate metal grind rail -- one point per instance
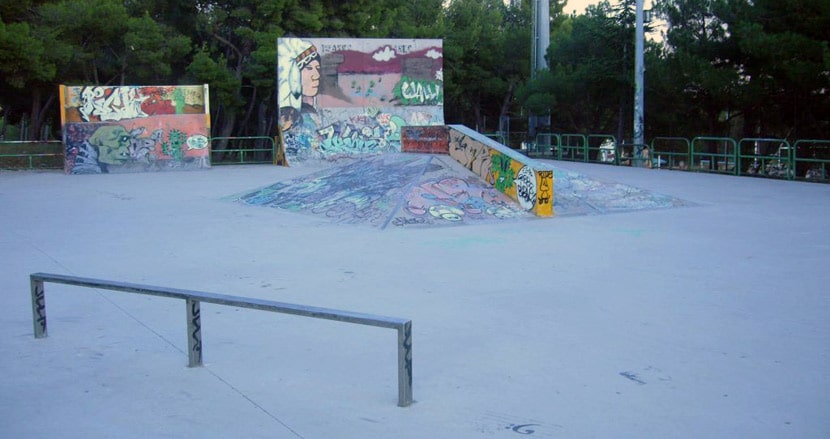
(194, 324)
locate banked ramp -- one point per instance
(449, 175)
(397, 190)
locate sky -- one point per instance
(579, 5)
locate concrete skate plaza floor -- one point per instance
(708, 320)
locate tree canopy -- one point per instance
(722, 67)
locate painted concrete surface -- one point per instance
(708, 320)
(423, 190)
(577, 193)
(398, 190)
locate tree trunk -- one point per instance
(263, 128)
(39, 114)
(34, 125)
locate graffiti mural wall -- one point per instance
(135, 129)
(517, 176)
(346, 97)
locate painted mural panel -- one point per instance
(509, 172)
(352, 96)
(135, 129)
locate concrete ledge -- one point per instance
(523, 179)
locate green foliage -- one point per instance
(762, 63)
(224, 86)
(725, 67)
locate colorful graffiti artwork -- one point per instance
(401, 190)
(347, 97)
(135, 129)
(511, 173)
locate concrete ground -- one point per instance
(705, 320)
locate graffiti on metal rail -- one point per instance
(196, 322)
(352, 96)
(40, 306)
(407, 345)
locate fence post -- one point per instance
(194, 333)
(405, 364)
(38, 307)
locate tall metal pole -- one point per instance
(541, 40)
(639, 96)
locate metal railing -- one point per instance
(194, 326)
(43, 154)
(812, 157)
(244, 156)
(715, 154)
(804, 159)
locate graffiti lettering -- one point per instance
(416, 92)
(522, 428)
(526, 187)
(330, 48)
(121, 103)
(349, 140)
(402, 221)
(544, 196)
(472, 155)
(402, 48)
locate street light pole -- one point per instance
(639, 96)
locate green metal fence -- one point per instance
(671, 152)
(765, 157)
(715, 154)
(601, 148)
(547, 145)
(47, 154)
(573, 147)
(806, 159)
(244, 150)
(811, 160)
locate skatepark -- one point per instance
(705, 317)
(540, 298)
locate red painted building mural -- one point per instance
(135, 129)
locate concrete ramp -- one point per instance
(580, 194)
(450, 175)
(397, 190)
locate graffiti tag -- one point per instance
(503, 172)
(419, 92)
(196, 335)
(40, 306)
(348, 139)
(121, 103)
(545, 194)
(526, 187)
